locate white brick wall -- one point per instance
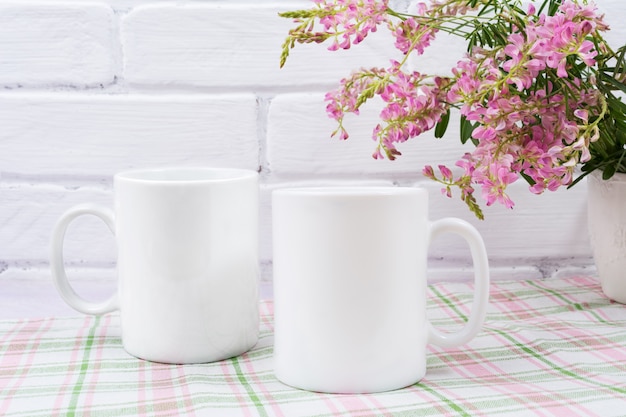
(90, 88)
(57, 44)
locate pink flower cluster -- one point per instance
(525, 99)
(412, 106)
(350, 21)
(540, 133)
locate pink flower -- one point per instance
(582, 114)
(495, 182)
(429, 172)
(445, 172)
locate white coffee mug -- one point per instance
(187, 243)
(350, 287)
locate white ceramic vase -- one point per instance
(607, 230)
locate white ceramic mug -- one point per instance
(187, 264)
(350, 287)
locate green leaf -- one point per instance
(578, 179)
(466, 129)
(608, 172)
(616, 104)
(553, 7)
(528, 179)
(613, 81)
(442, 125)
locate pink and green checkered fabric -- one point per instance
(555, 347)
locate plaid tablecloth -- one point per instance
(549, 348)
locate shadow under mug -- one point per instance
(187, 264)
(350, 287)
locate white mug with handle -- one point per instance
(187, 262)
(350, 287)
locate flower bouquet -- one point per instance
(539, 91)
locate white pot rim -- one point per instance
(617, 177)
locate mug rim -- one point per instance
(181, 175)
(350, 191)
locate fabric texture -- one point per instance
(555, 347)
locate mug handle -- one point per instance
(56, 260)
(481, 282)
